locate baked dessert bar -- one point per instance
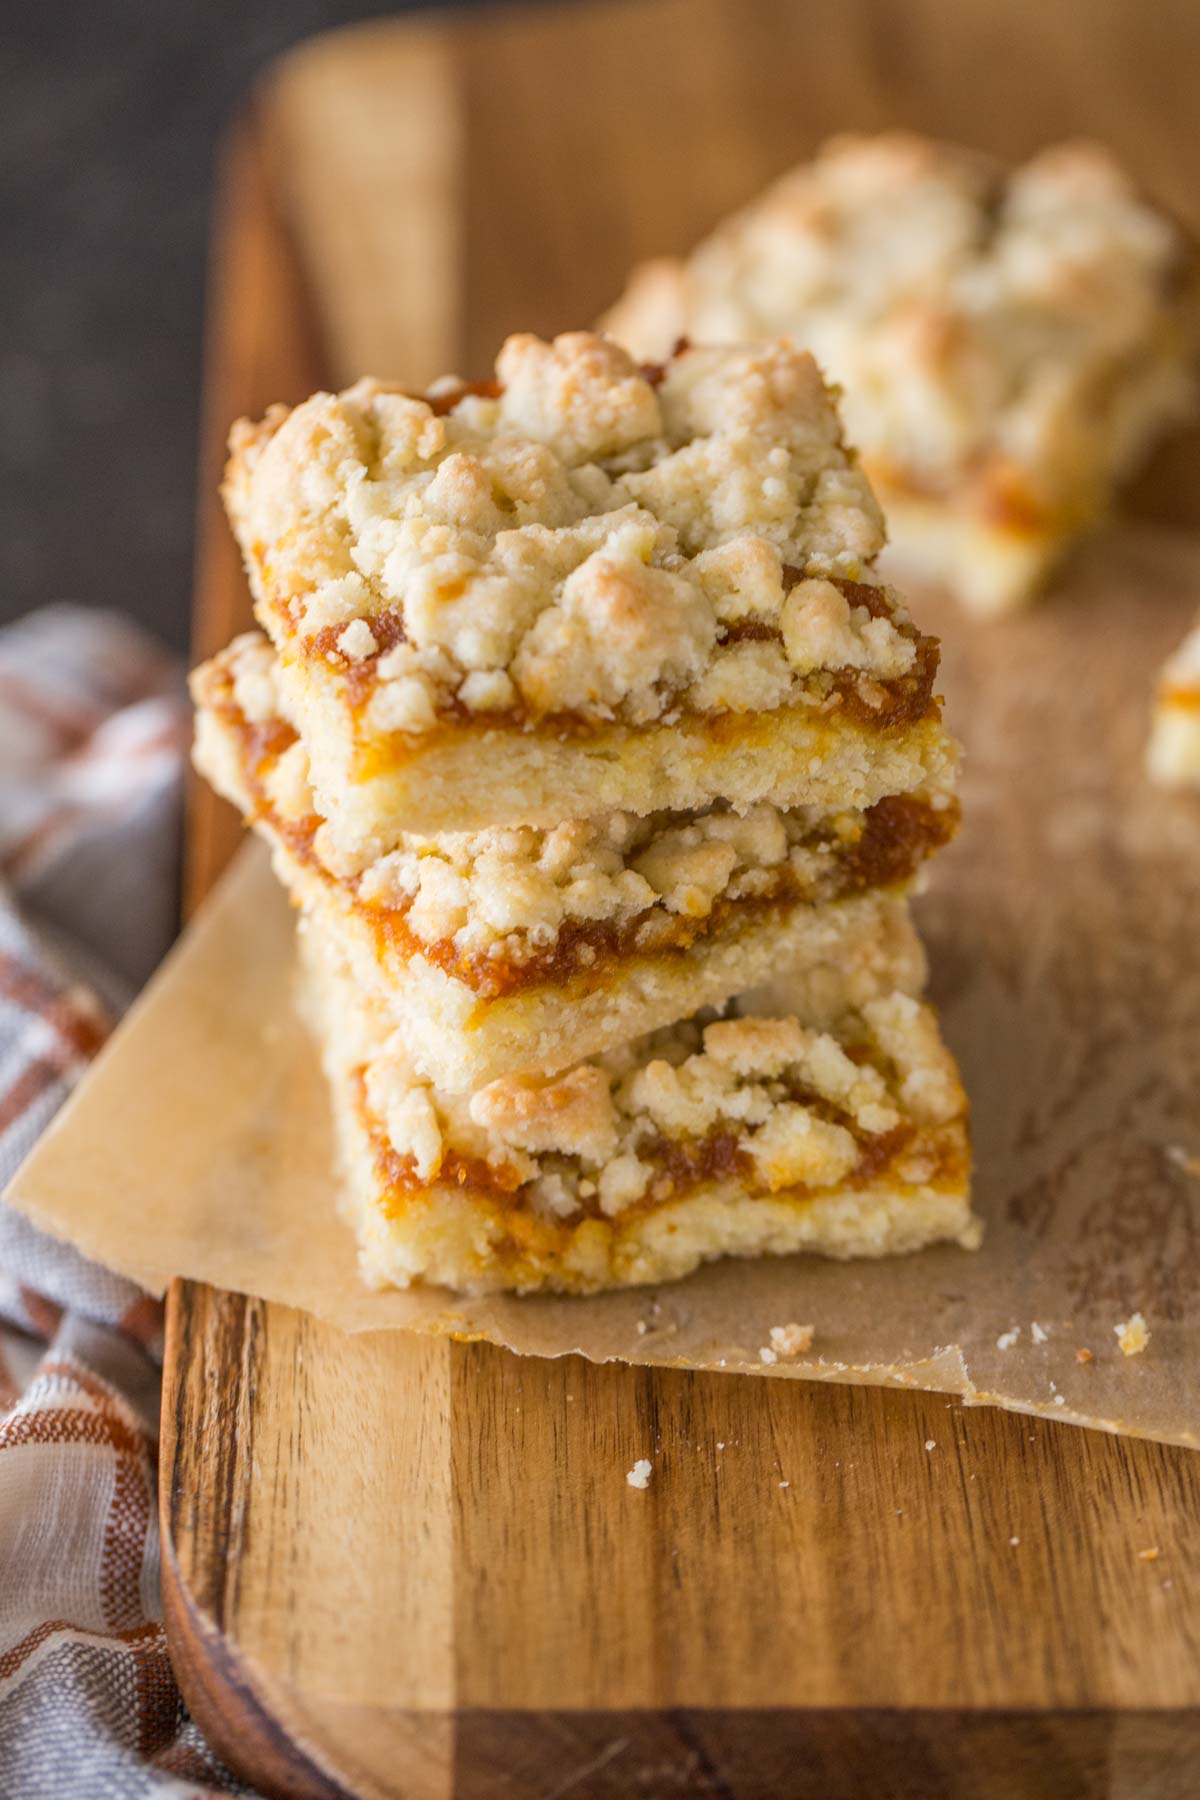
(582, 587)
(736, 1136)
(523, 947)
(1010, 342)
(1173, 756)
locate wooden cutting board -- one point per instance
(404, 1567)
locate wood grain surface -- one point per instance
(406, 1567)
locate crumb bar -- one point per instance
(583, 586)
(524, 947)
(1010, 342)
(734, 1136)
(1173, 756)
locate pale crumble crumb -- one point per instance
(767, 1355)
(639, 1475)
(785, 1484)
(1150, 1555)
(357, 641)
(931, 1443)
(1060, 1400)
(1038, 1333)
(1084, 1356)
(792, 1340)
(1183, 1159)
(1132, 1334)
(1014, 1541)
(642, 1328)
(1007, 1339)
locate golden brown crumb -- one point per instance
(1132, 1334)
(792, 1340)
(1084, 1356)
(1150, 1555)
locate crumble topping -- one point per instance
(1179, 683)
(579, 539)
(1132, 1334)
(511, 902)
(785, 1107)
(981, 320)
(792, 1340)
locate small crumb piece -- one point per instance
(1014, 1541)
(1183, 1159)
(784, 1484)
(1150, 1555)
(931, 1443)
(1060, 1400)
(1084, 1356)
(639, 1475)
(357, 641)
(1038, 1334)
(721, 1445)
(767, 1355)
(792, 1340)
(1007, 1339)
(642, 1328)
(1133, 1335)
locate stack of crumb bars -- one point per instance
(599, 765)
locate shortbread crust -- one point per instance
(1010, 342)
(581, 587)
(1173, 755)
(522, 948)
(741, 1136)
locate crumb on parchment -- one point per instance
(639, 1475)
(1132, 1334)
(792, 1340)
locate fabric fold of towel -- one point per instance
(93, 734)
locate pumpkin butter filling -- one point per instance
(504, 911)
(783, 1111)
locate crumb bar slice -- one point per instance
(1173, 755)
(525, 947)
(735, 1136)
(581, 587)
(1010, 342)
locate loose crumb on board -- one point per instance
(1038, 1333)
(639, 1475)
(1084, 1356)
(1150, 1555)
(792, 1340)
(767, 1355)
(1014, 1541)
(1183, 1159)
(1132, 1334)
(1007, 1339)
(931, 1443)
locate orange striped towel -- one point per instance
(93, 728)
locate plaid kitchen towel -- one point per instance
(93, 728)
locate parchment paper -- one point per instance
(1063, 930)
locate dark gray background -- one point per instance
(109, 114)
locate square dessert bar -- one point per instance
(1173, 757)
(1010, 342)
(582, 587)
(735, 1136)
(528, 947)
